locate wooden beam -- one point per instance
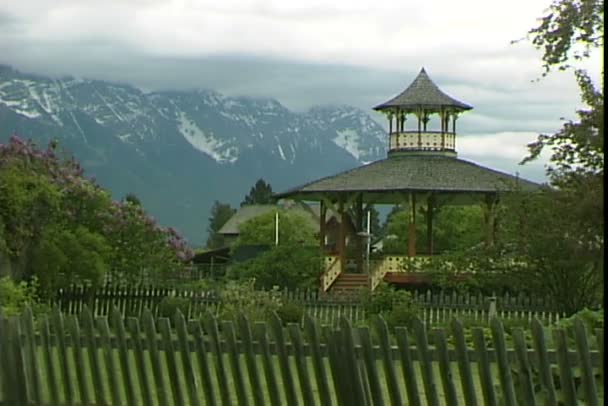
(489, 214)
(359, 228)
(411, 232)
(322, 225)
(430, 213)
(342, 235)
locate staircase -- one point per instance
(349, 284)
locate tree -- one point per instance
(260, 193)
(294, 263)
(220, 214)
(132, 198)
(294, 229)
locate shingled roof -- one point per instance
(423, 93)
(414, 173)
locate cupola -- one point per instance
(420, 101)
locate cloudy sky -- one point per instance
(310, 52)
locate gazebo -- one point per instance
(421, 168)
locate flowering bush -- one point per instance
(64, 228)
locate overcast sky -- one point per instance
(310, 52)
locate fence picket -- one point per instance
(279, 341)
(301, 367)
(123, 352)
(387, 358)
(142, 370)
(60, 336)
(582, 347)
(186, 360)
(79, 356)
(212, 330)
(544, 367)
(504, 368)
(31, 356)
(527, 396)
(235, 364)
(250, 358)
(422, 347)
(464, 365)
(565, 370)
(447, 379)
(407, 366)
(267, 360)
(111, 367)
(86, 319)
(370, 366)
(483, 365)
(149, 327)
(164, 327)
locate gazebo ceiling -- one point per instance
(383, 181)
(423, 93)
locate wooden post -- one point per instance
(342, 235)
(430, 212)
(359, 228)
(489, 219)
(322, 224)
(411, 232)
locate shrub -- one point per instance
(396, 306)
(290, 312)
(16, 296)
(242, 298)
(171, 304)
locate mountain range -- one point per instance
(179, 151)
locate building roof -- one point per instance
(423, 93)
(248, 212)
(413, 173)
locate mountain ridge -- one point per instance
(179, 150)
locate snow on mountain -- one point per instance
(181, 150)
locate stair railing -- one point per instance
(331, 273)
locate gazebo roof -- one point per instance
(413, 173)
(423, 93)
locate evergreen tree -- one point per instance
(260, 193)
(220, 214)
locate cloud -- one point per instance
(503, 151)
(304, 53)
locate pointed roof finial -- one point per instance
(423, 92)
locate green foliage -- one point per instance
(560, 233)
(241, 297)
(569, 31)
(64, 256)
(557, 249)
(169, 306)
(294, 228)
(454, 228)
(287, 266)
(592, 319)
(290, 312)
(220, 214)
(396, 306)
(16, 296)
(60, 227)
(260, 193)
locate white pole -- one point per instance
(276, 228)
(369, 238)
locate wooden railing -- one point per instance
(425, 140)
(331, 273)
